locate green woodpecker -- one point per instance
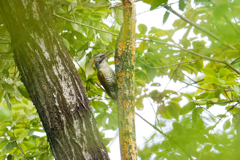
(106, 76)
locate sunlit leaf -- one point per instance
(181, 5)
(157, 3)
(23, 135)
(142, 28)
(107, 37)
(165, 17)
(8, 147)
(226, 124)
(174, 109)
(139, 103)
(187, 108)
(8, 101)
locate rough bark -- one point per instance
(124, 61)
(52, 81)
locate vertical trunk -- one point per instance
(124, 61)
(52, 81)
(238, 135)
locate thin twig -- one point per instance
(85, 25)
(206, 89)
(18, 144)
(165, 135)
(175, 70)
(169, 8)
(194, 53)
(168, 65)
(156, 118)
(101, 87)
(21, 149)
(223, 116)
(232, 100)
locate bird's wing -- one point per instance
(102, 79)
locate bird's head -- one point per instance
(100, 58)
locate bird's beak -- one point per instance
(108, 54)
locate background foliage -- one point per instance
(205, 61)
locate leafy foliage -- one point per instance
(188, 121)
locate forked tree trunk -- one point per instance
(52, 81)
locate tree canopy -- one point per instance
(206, 62)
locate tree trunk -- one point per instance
(52, 81)
(125, 71)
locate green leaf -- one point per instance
(187, 108)
(181, 5)
(5, 114)
(8, 87)
(196, 118)
(42, 156)
(142, 28)
(188, 96)
(8, 147)
(236, 88)
(165, 17)
(223, 72)
(213, 80)
(89, 66)
(214, 100)
(201, 102)
(157, 3)
(139, 103)
(79, 55)
(23, 92)
(99, 105)
(174, 109)
(23, 135)
(107, 37)
(226, 124)
(8, 101)
(231, 53)
(209, 72)
(156, 84)
(10, 157)
(119, 16)
(143, 46)
(28, 144)
(3, 139)
(65, 41)
(71, 1)
(17, 94)
(176, 99)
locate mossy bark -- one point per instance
(124, 61)
(52, 81)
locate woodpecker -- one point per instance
(106, 76)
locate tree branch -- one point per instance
(232, 100)
(21, 149)
(165, 135)
(85, 25)
(170, 64)
(169, 8)
(223, 116)
(194, 53)
(172, 45)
